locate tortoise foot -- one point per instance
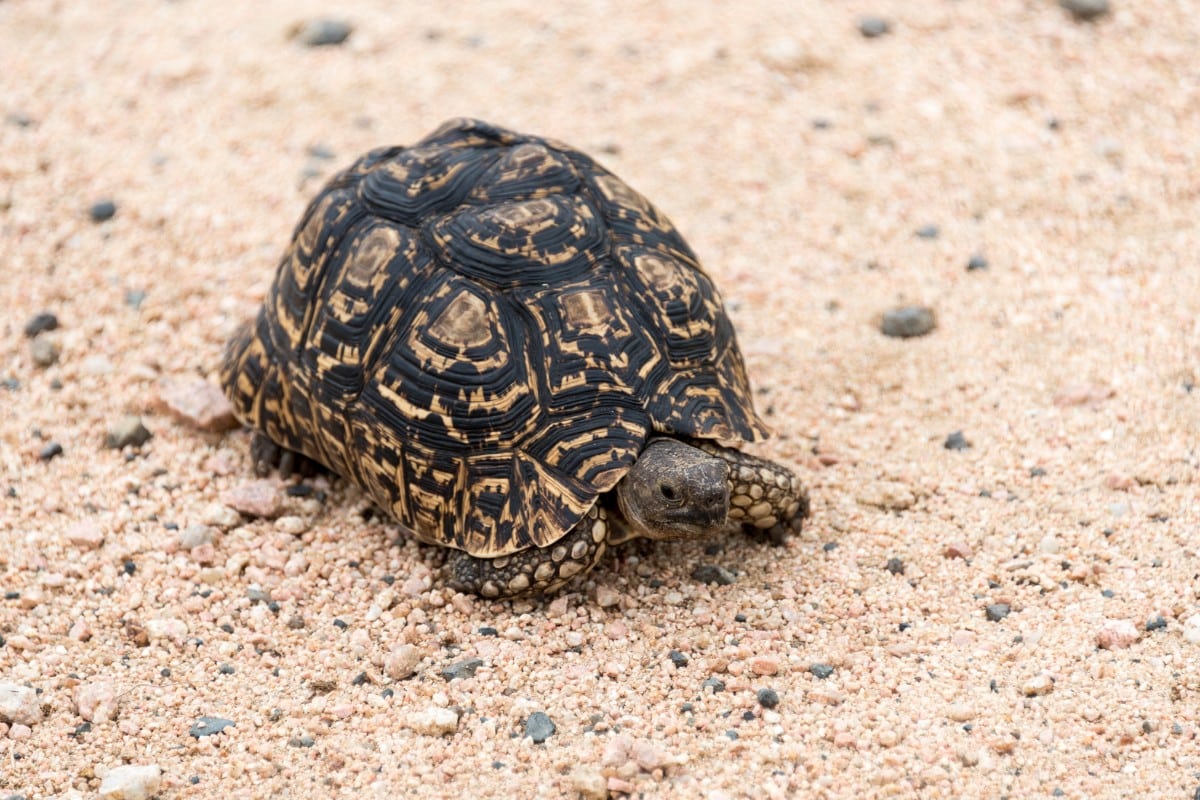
(267, 455)
(537, 570)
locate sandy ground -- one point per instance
(801, 159)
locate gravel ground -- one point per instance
(997, 594)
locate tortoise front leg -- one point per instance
(538, 569)
(762, 494)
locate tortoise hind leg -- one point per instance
(266, 455)
(537, 570)
(763, 495)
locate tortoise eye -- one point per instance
(668, 492)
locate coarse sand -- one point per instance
(996, 595)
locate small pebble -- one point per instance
(134, 298)
(764, 665)
(19, 705)
(678, 659)
(323, 32)
(607, 597)
(976, 262)
(589, 783)
(102, 210)
(44, 350)
(128, 431)
(194, 536)
(956, 441)
(894, 566)
(820, 671)
(716, 684)
(402, 662)
(207, 726)
(768, 698)
(260, 498)
(908, 322)
(958, 550)
(52, 450)
(85, 534)
(200, 404)
(96, 702)
(1085, 10)
(997, 611)
(432, 721)
(713, 573)
(1038, 685)
(462, 669)
(1117, 634)
(928, 232)
(539, 727)
(873, 27)
(131, 782)
(1156, 623)
(40, 323)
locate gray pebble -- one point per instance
(102, 210)
(768, 698)
(45, 321)
(134, 298)
(820, 671)
(976, 261)
(716, 684)
(1085, 9)
(907, 322)
(928, 232)
(324, 32)
(52, 450)
(873, 27)
(129, 430)
(45, 350)
(678, 659)
(895, 566)
(997, 611)
(462, 669)
(19, 119)
(956, 441)
(301, 741)
(207, 726)
(539, 727)
(713, 573)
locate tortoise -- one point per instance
(512, 352)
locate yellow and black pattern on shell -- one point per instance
(481, 331)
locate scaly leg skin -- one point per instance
(266, 456)
(538, 569)
(763, 496)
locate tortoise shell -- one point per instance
(481, 331)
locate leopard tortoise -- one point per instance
(513, 353)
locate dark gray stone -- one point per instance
(768, 698)
(539, 727)
(1086, 10)
(324, 32)
(713, 573)
(956, 441)
(997, 611)
(207, 726)
(38, 323)
(907, 322)
(102, 210)
(129, 430)
(820, 671)
(462, 669)
(873, 27)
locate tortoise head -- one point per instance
(675, 491)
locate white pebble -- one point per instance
(131, 782)
(96, 702)
(19, 704)
(433, 721)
